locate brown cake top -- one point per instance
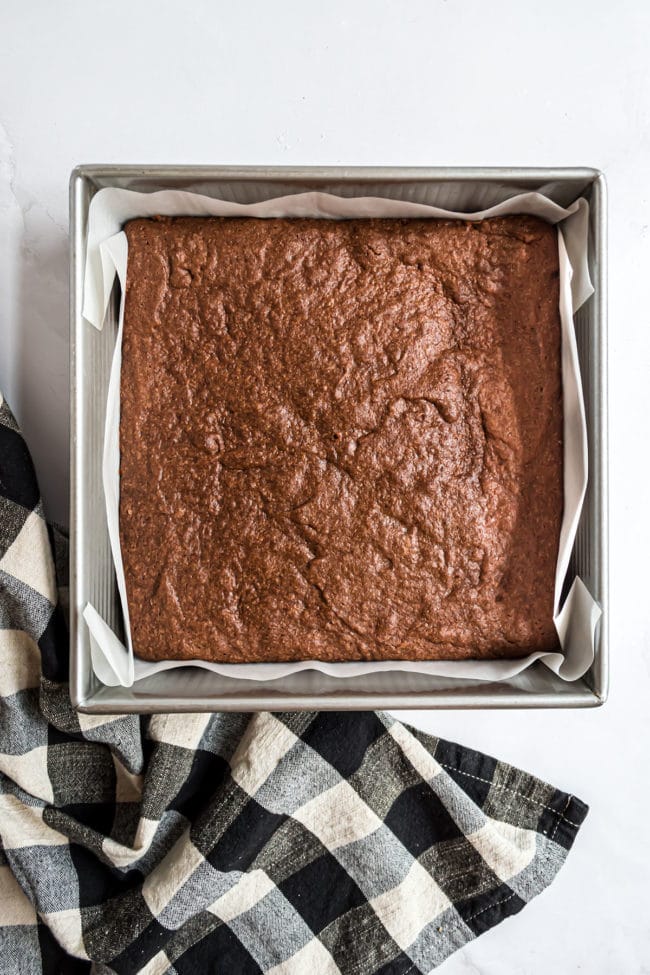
(341, 439)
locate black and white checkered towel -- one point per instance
(289, 844)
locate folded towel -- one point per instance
(278, 843)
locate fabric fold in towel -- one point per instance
(270, 843)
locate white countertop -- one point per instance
(421, 82)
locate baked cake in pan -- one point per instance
(341, 440)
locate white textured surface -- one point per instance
(416, 82)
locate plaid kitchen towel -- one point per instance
(235, 843)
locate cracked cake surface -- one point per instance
(341, 440)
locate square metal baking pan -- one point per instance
(92, 577)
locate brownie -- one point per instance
(341, 440)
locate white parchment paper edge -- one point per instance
(107, 254)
